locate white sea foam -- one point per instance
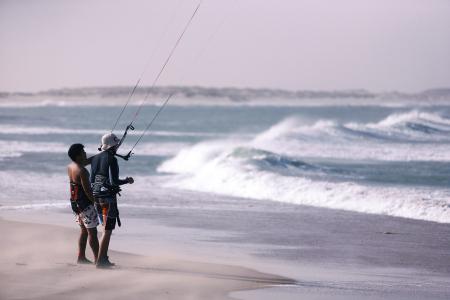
(191, 159)
(412, 126)
(414, 116)
(270, 166)
(416, 203)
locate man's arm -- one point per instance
(84, 178)
(114, 168)
(89, 160)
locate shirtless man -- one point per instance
(82, 202)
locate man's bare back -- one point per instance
(82, 202)
(79, 175)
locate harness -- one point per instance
(101, 188)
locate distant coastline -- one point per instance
(232, 93)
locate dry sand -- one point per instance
(38, 262)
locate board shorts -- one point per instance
(88, 217)
(107, 212)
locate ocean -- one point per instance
(376, 159)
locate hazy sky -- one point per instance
(293, 44)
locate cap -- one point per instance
(109, 140)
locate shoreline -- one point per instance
(38, 262)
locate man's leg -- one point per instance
(82, 240)
(88, 223)
(93, 241)
(109, 222)
(104, 245)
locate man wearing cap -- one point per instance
(105, 185)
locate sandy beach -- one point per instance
(38, 262)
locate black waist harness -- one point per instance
(101, 188)
(78, 199)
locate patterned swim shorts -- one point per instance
(88, 217)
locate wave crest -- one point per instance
(273, 166)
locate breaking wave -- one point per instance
(411, 136)
(276, 165)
